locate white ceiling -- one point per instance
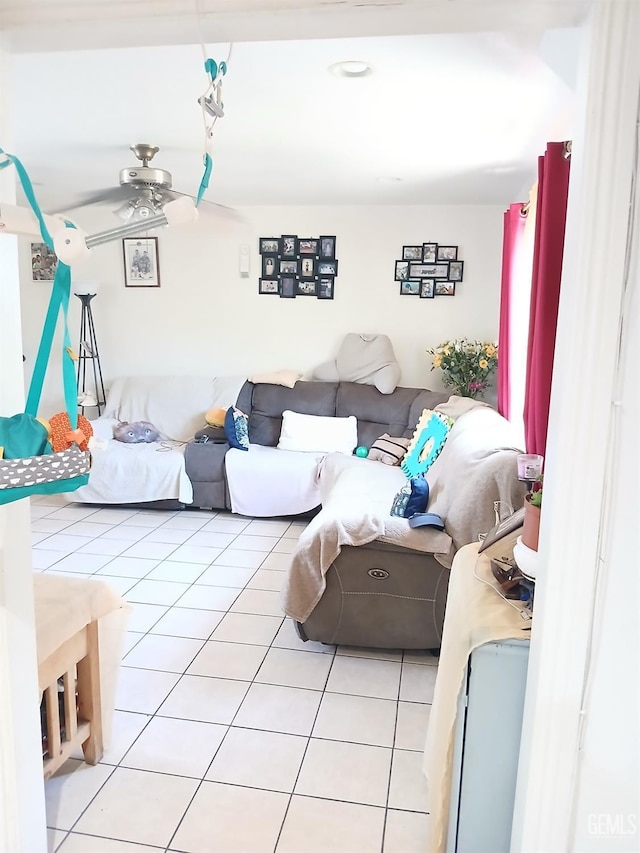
(459, 117)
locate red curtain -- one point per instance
(551, 213)
(514, 224)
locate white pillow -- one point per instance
(317, 434)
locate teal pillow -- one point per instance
(236, 427)
(428, 440)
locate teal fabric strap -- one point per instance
(204, 183)
(58, 303)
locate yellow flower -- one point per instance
(490, 350)
(446, 351)
(437, 360)
(483, 363)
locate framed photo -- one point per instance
(409, 288)
(445, 288)
(428, 270)
(325, 287)
(141, 262)
(412, 253)
(326, 267)
(307, 267)
(268, 286)
(327, 247)
(289, 267)
(447, 253)
(308, 246)
(269, 266)
(402, 270)
(287, 287)
(427, 288)
(43, 262)
(269, 245)
(289, 247)
(456, 269)
(429, 252)
(306, 288)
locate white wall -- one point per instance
(205, 319)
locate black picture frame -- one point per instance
(289, 266)
(269, 245)
(427, 288)
(269, 266)
(326, 287)
(456, 271)
(287, 287)
(289, 246)
(307, 264)
(269, 286)
(327, 266)
(447, 253)
(421, 270)
(306, 287)
(401, 271)
(412, 253)
(327, 246)
(429, 253)
(308, 246)
(411, 287)
(445, 288)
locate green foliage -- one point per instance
(536, 498)
(466, 365)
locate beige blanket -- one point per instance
(356, 498)
(476, 468)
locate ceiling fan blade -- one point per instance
(212, 207)
(109, 195)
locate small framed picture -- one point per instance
(287, 287)
(326, 267)
(445, 288)
(43, 262)
(412, 253)
(327, 247)
(269, 245)
(306, 288)
(325, 287)
(269, 266)
(428, 270)
(307, 267)
(447, 253)
(402, 270)
(308, 246)
(289, 267)
(409, 288)
(429, 252)
(268, 286)
(427, 288)
(289, 247)
(141, 262)
(456, 269)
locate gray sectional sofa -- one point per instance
(379, 593)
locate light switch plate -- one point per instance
(245, 261)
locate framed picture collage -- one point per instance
(293, 266)
(429, 270)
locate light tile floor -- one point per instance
(230, 734)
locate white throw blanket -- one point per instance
(356, 498)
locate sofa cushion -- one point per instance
(388, 449)
(318, 434)
(236, 427)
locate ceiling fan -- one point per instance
(143, 190)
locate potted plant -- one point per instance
(532, 509)
(466, 364)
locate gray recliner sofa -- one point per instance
(377, 594)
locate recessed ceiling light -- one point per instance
(351, 68)
(388, 179)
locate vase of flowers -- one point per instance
(466, 365)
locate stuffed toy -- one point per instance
(61, 436)
(137, 432)
(215, 417)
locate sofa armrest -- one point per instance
(207, 434)
(204, 462)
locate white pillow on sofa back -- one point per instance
(318, 434)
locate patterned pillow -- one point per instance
(388, 449)
(236, 427)
(427, 441)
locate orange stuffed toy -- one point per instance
(62, 436)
